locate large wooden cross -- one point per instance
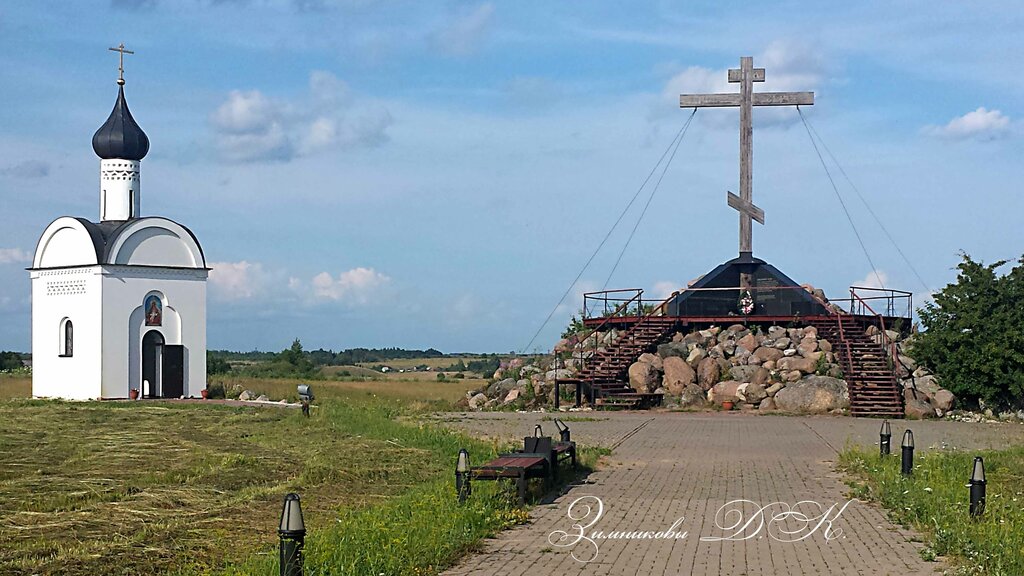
(746, 99)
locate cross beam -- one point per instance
(745, 100)
(120, 61)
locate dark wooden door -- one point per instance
(173, 380)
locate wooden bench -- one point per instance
(539, 458)
(517, 466)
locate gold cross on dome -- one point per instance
(120, 64)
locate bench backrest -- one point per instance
(539, 445)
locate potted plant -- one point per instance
(133, 393)
(727, 405)
(205, 393)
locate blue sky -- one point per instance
(435, 174)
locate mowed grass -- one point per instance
(934, 500)
(157, 487)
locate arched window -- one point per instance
(67, 338)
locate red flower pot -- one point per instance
(727, 405)
(133, 394)
(205, 393)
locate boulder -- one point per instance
(774, 388)
(915, 406)
(246, 395)
(776, 332)
(943, 400)
(766, 354)
(805, 365)
(678, 375)
(728, 390)
(557, 374)
(674, 349)
(707, 373)
(766, 405)
(477, 402)
(692, 397)
(744, 373)
(810, 332)
(511, 397)
(789, 352)
(807, 346)
(695, 356)
(500, 388)
(751, 393)
(814, 395)
(928, 384)
(792, 376)
(263, 398)
(652, 359)
(565, 344)
(763, 377)
(908, 362)
(748, 343)
(824, 345)
(643, 377)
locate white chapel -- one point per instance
(118, 305)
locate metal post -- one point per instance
(292, 532)
(907, 462)
(885, 439)
(978, 488)
(579, 393)
(557, 389)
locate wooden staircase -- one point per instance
(605, 375)
(874, 387)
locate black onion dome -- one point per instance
(120, 136)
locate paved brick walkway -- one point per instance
(667, 466)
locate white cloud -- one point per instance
(464, 33)
(14, 256)
(982, 124)
(664, 289)
(872, 280)
(356, 286)
(789, 66)
(233, 281)
(249, 126)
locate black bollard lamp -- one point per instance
(292, 532)
(977, 486)
(462, 487)
(563, 431)
(885, 439)
(907, 463)
(537, 432)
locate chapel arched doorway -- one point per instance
(152, 364)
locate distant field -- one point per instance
(426, 391)
(15, 386)
(407, 363)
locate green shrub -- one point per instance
(974, 334)
(215, 390)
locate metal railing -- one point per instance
(891, 303)
(609, 303)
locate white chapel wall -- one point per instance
(73, 293)
(184, 322)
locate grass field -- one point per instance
(934, 501)
(15, 386)
(166, 487)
